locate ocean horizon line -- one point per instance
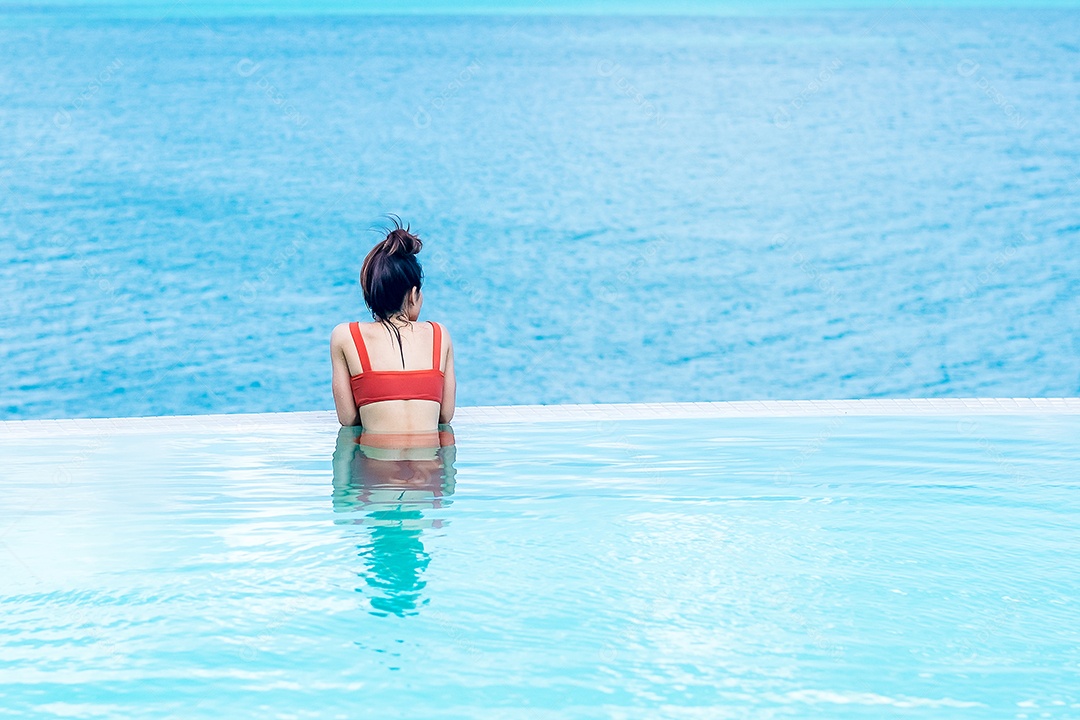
(164, 9)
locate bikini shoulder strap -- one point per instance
(436, 345)
(361, 349)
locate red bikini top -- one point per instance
(378, 385)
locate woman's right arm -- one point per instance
(446, 411)
(347, 412)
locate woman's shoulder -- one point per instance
(341, 333)
(442, 327)
(345, 327)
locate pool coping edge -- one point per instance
(495, 414)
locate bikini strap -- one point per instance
(436, 346)
(361, 349)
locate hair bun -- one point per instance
(402, 242)
(399, 241)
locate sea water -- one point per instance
(874, 202)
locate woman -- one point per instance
(393, 376)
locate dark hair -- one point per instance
(391, 270)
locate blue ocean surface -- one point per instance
(874, 202)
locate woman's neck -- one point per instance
(399, 321)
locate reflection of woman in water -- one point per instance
(386, 482)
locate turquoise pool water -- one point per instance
(801, 567)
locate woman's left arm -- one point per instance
(347, 412)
